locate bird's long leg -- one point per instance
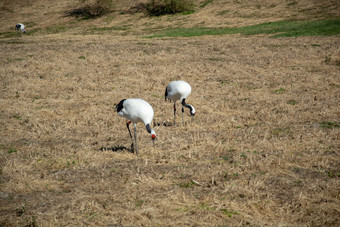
(127, 125)
(182, 115)
(174, 113)
(135, 130)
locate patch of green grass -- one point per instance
(33, 31)
(224, 81)
(279, 91)
(8, 34)
(334, 85)
(281, 131)
(298, 182)
(330, 174)
(329, 124)
(56, 29)
(110, 17)
(229, 213)
(188, 32)
(204, 206)
(215, 59)
(327, 59)
(276, 29)
(20, 211)
(14, 59)
(32, 222)
(11, 150)
(298, 28)
(188, 12)
(82, 57)
(243, 155)
(91, 215)
(70, 163)
(139, 202)
(184, 209)
(225, 157)
(36, 97)
(17, 41)
(18, 117)
(292, 102)
(187, 184)
(106, 29)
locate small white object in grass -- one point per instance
(20, 27)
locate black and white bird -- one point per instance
(20, 27)
(179, 90)
(137, 110)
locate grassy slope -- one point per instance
(277, 29)
(262, 150)
(46, 17)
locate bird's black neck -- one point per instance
(148, 128)
(186, 105)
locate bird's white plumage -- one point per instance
(178, 90)
(137, 110)
(20, 27)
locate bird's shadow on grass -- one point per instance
(117, 149)
(163, 123)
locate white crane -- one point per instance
(179, 90)
(136, 110)
(20, 27)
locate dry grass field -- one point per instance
(262, 150)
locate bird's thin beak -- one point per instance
(154, 145)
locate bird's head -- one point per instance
(153, 135)
(192, 110)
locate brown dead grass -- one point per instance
(254, 155)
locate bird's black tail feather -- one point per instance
(166, 93)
